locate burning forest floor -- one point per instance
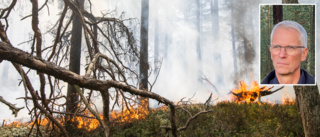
(226, 119)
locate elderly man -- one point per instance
(288, 49)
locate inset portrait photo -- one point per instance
(287, 44)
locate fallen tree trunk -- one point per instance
(25, 59)
(18, 56)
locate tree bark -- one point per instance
(74, 64)
(308, 102)
(277, 14)
(144, 66)
(106, 109)
(18, 56)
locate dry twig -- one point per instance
(12, 107)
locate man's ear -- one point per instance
(304, 54)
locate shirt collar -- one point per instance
(302, 79)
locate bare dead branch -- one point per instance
(49, 99)
(208, 100)
(6, 12)
(3, 35)
(44, 4)
(91, 110)
(57, 39)
(35, 28)
(192, 118)
(87, 31)
(27, 83)
(12, 107)
(206, 79)
(17, 56)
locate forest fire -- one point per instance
(131, 114)
(286, 100)
(243, 94)
(89, 123)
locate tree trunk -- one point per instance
(277, 14)
(106, 102)
(156, 42)
(74, 65)
(198, 25)
(277, 17)
(308, 101)
(268, 67)
(198, 42)
(233, 40)
(215, 19)
(144, 66)
(215, 35)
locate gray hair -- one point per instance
(303, 38)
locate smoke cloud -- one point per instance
(176, 33)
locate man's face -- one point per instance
(284, 63)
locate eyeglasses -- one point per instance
(275, 49)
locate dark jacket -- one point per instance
(305, 78)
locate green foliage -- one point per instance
(303, 14)
(266, 25)
(227, 119)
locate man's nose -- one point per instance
(283, 52)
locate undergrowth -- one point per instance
(226, 119)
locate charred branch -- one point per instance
(254, 94)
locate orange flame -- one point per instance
(243, 94)
(89, 123)
(131, 114)
(286, 99)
